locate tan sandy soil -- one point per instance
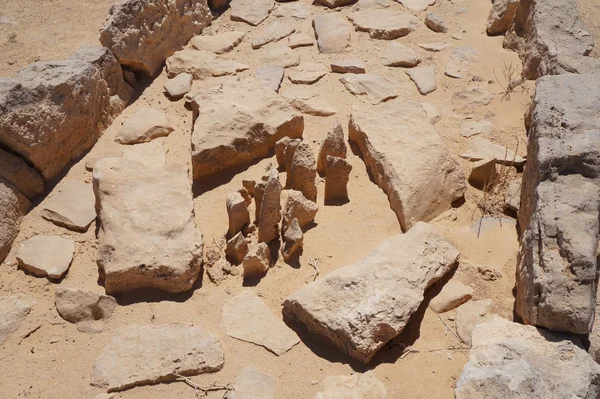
(590, 15)
(49, 358)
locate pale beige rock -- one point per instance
(237, 213)
(93, 157)
(469, 315)
(161, 350)
(272, 33)
(152, 154)
(88, 310)
(288, 157)
(280, 147)
(272, 75)
(334, 145)
(309, 101)
(452, 295)
(259, 192)
(71, 206)
(18, 173)
(239, 112)
(360, 307)
(332, 33)
(307, 73)
(252, 12)
(355, 386)
(424, 79)
(303, 172)
(202, 64)
(220, 43)
(296, 10)
(483, 172)
(433, 113)
(436, 23)
(278, 55)
(461, 61)
(298, 207)
(237, 248)
(270, 211)
(13, 206)
(384, 24)
(334, 3)
(414, 168)
(375, 88)
(417, 5)
(179, 86)
(293, 240)
(513, 195)
(252, 384)
(257, 261)
(247, 318)
(483, 149)
(13, 311)
(336, 179)
(474, 96)
(301, 39)
(349, 65)
(143, 126)
(399, 55)
(472, 128)
(501, 16)
(46, 256)
(433, 47)
(365, 4)
(147, 236)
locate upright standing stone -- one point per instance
(303, 172)
(237, 212)
(336, 179)
(293, 239)
(237, 248)
(298, 207)
(333, 145)
(257, 261)
(270, 211)
(252, 12)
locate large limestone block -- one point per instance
(510, 360)
(360, 307)
(332, 33)
(238, 123)
(147, 236)
(407, 159)
(16, 172)
(143, 33)
(53, 112)
(143, 355)
(13, 206)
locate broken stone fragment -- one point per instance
(399, 55)
(348, 66)
(336, 179)
(436, 23)
(301, 39)
(252, 12)
(472, 128)
(202, 64)
(270, 211)
(483, 173)
(144, 125)
(13, 311)
(71, 206)
(452, 295)
(501, 16)
(374, 88)
(237, 247)
(298, 207)
(357, 386)
(484, 149)
(179, 86)
(251, 384)
(272, 33)
(237, 213)
(278, 55)
(333, 145)
(360, 307)
(257, 261)
(303, 172)
(469, 315)
(513, 195)
(424, 79)
(332, 33)
(307, 73)
(288, 157)
(46, 256)
(474, 96)
(219, 43)
(88, 310)
(271, 75)
(280, 147)
(384, 24)
(460, 62)
(293, 240)
(249, 186)
(417, 5)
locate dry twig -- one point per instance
(217, 244)
(513, 80)
(314, 263)
(451, 330)
(203, 391)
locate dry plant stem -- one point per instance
(203, 390)
(217, 244)
(508, 72)
(451, 330)
(314, 263)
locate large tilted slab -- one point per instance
(407, 159)
(238, 123)
(560, 202)
(510, 360)
(360, 307)
(147, 236)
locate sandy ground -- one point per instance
(49, 358)
(590, 15)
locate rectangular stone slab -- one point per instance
(407, 159)
(360, 307)
(147, 236)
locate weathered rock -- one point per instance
(288, 157)
(472, 128)
(301, 39)
(251, 384)
(348, 65)
(278, 55)
(365, 4)
(332, 33)
(144, 125)
(298, 207)
(151, 155)
(296, 10)
(309, 101)
(280, 147)
(272, 75)
(238, 123)
(414, 168)
(249, 186)
(179, 86)
(270, 211)
(483, 172)
(303, 172)
(16, 172)
(424, 79)
(46, 256)
(220, 43)
(237, 213)
(217, 5)
(474, 96)
(333, 145)
(355, 386)
(13, 206)
(399, 55)
(460, 61)
(384, 24)
(436, 23)
(162, 350)
(336, 179)
(272, 33)
(293, 240)
(513, 196)
(257, 261)
(543, 30)
(259, 192)
(360, 307)
(217, 272)
(417, 5)
(246, 317)
(202, 64)
(509, 360)
(71, 206)
(484, 149)
(93, 157)
(13, 310)
(143, 33)
(452, 295)
(374, 87)
(433, 47)
(307, 73)
(252, 12)
(237, 248)
(88, 310)
(501, 16)
(45, 120)
(334, 3)
(469, 315)
(139, 211)
(433, 113)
